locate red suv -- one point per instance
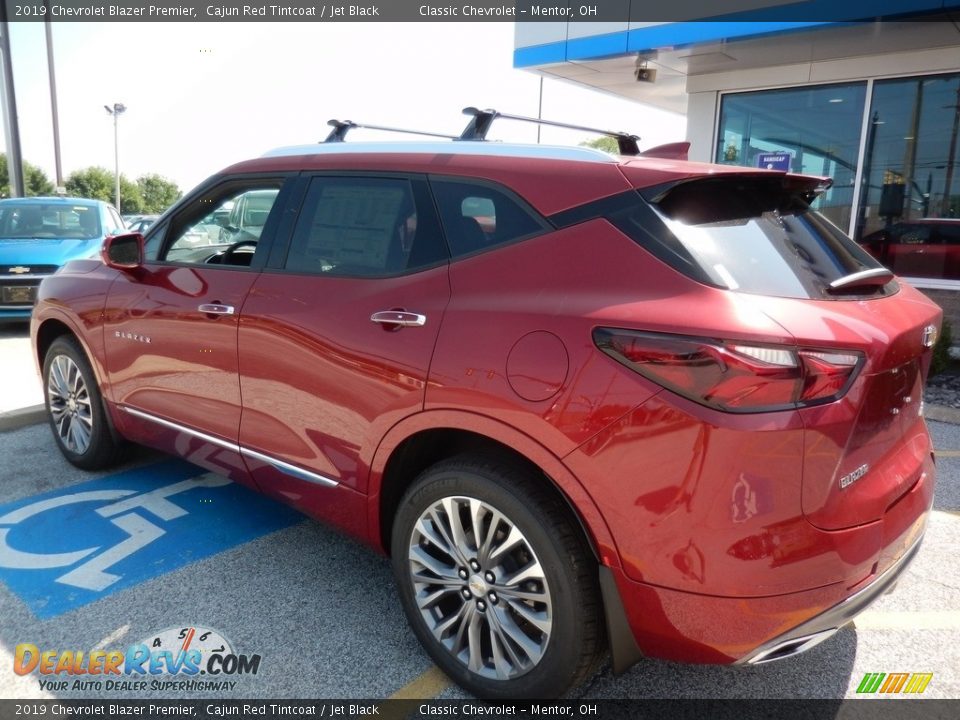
(584, 402)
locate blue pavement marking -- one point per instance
(64, 549)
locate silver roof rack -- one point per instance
(481, 120)
(342, 127)
(478, 127)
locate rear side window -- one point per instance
(477, 216)
(949, 234)
(754, 235)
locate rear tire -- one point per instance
(496, 580)
(75, 409)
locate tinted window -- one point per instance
(752, 235)
(477, 216)
(913, 234)
(363, 227)
(222, 227)
(950, 234)
(54, 220)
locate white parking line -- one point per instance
(112, 637)
(908, 620)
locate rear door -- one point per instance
(171, 330)
(336, 338)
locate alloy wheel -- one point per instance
(480, 587)
(69, 402)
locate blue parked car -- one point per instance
(38, 235)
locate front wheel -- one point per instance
(75, 408)
(496, 581)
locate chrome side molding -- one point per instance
(212, 439)
(288, 469)
(284, 467)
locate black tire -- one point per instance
(574, 642)
(85, 407)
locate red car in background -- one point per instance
(585, 403)
(920, 248)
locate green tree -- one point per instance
(131, 197)
(95, 183)
(607, 144)
(158, 192)
(35, 180)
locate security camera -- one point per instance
(644, 73)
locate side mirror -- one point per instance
(123, 252)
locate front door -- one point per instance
(171, 327)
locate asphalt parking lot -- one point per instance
(102, 561)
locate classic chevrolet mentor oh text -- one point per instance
(586, 403)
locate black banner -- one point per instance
(880, 709)
(604, 11)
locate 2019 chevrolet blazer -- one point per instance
(584, 402)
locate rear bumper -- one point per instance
(739, 628)
(819, 628)
(685, 627)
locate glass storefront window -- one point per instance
(909, 214)
(814, 130)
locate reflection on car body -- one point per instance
(584, 402)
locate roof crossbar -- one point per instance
(342, 127)
(481, 120)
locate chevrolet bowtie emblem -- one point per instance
(19, 270)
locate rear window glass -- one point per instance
(478, 216)
(750, 235)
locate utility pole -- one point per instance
(8, 100)
(53, 99)
(117, 110)
(948, 181)
(539, 108)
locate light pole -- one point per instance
(116, 111)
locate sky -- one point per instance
(201, 96)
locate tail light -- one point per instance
(733, 376)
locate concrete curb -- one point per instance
(942, 413)
(22, 417)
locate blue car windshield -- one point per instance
(55, 220)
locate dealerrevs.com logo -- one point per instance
(180, 658)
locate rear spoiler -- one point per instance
(727, 196)
(670, 151)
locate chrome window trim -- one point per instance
(284, 467)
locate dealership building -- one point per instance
(873, 104)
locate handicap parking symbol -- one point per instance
(65, 549)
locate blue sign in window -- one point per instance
(774, 161)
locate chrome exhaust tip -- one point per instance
(791, 647)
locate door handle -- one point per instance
(399, 317)
(216, 309)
